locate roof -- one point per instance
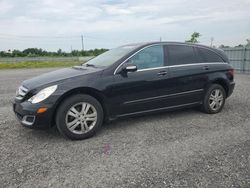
(166, 42)
(144, 44)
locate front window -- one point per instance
(110, 57)
(150, 57)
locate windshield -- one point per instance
(111, 56)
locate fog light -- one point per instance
(28, 120)
(42, 110)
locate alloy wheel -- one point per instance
(81, 118)
(216, 99)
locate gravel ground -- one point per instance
(174, 149)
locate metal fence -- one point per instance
(239, 58)
(42, 59)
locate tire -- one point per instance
(75, 117)
(211, 105)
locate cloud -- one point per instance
(109, 23)
(5, 7)
(120, 9)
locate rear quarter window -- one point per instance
(208, 56)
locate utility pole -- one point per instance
(212, 40)
(160, 39)
(82, 43)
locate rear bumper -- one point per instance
(231, 89)
(27, 115)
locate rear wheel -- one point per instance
(79, 117)
(214, 99)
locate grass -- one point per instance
(41, 64)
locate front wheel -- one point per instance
(79, 117)
(214, 99)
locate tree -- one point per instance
(240, 45)
(59, 52)
(17, 53)
(223, 46)
(36, 52)
(248, 42)
(33, 52)
(194, 37)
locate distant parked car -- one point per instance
(125, 81)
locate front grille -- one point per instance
(21, 92)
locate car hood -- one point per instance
(57, 76)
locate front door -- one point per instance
(138, 91)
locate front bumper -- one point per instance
(27, 115)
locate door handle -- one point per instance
(162, 73)
(206, 67)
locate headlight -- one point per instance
(43, 94)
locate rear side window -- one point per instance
(206, 55)
(180, 54)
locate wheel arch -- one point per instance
(223, 83)
(82, 90)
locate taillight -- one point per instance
(231, 74)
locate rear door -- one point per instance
(187, 76)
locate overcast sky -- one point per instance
(54, 24)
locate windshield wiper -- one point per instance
(90, 65)
(79, 67)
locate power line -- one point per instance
(3, 35)
(38, 36)
(39, 39)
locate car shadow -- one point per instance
(121, 123)
(51, 133)
(153, 117)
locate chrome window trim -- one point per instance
(162, 96)
(183, 65)
(155, 68)
(167, 66)
(193, 64)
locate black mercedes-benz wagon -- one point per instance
(128, 80)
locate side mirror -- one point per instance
(130, 68)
